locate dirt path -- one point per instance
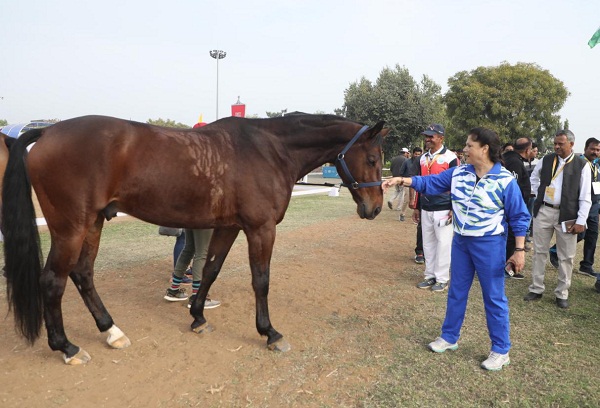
(331, 286)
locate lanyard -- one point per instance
(430, 162)
(593, 168)
(555, 165)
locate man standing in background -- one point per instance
(562, 183)
(514, 161)
(590, 235)
(411, 168)
(398, 193)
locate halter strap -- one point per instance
(340, 158)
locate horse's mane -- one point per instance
(306, 119)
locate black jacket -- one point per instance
(410, 167)
(396, 164)
(516, 165)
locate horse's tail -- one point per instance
(22, 252)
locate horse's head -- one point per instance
(359, 166)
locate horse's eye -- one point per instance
(371, 161)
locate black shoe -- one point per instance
(554, 259)
(597, 286)
(420, 259)
(532, 296)
(562, 303)
(588, 272)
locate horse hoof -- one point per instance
(120, 343)
(280, 345)
(82, 357)
(117, 339)
(203, 328)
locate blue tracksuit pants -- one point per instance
(486, 256)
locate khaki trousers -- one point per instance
(545, 225)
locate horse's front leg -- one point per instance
(221, 241)
(260, 250)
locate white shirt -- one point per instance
(585, 187)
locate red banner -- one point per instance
(238, 109)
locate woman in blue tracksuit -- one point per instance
(484, 197)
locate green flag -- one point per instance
(595, 38)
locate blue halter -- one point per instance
(340, 158)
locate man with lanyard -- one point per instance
(435, 212)
(562, 183)
(590, 235)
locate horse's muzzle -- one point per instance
(369, 215)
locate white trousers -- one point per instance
(437, 241)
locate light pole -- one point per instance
(218, 54)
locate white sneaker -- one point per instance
(440, 345)
(495, 361)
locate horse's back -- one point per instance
(194, 178)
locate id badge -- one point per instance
(549, 195)
(596, 187)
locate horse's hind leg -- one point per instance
(221, 241)
(61, 259)
(83, 278)
(260, 249)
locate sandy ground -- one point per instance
(325, 281)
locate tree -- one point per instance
(406, 106)
(276, 114)
(520, 100)
(3, 122)
(167, 123)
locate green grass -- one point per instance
(552, 360)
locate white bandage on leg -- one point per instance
(114, 333)
(117, 339)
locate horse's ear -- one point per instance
(378, 129)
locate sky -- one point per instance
(150, 59)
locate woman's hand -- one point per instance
(518, 260)
(391, 182)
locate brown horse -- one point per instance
(234, 174)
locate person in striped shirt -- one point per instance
(485, 196)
